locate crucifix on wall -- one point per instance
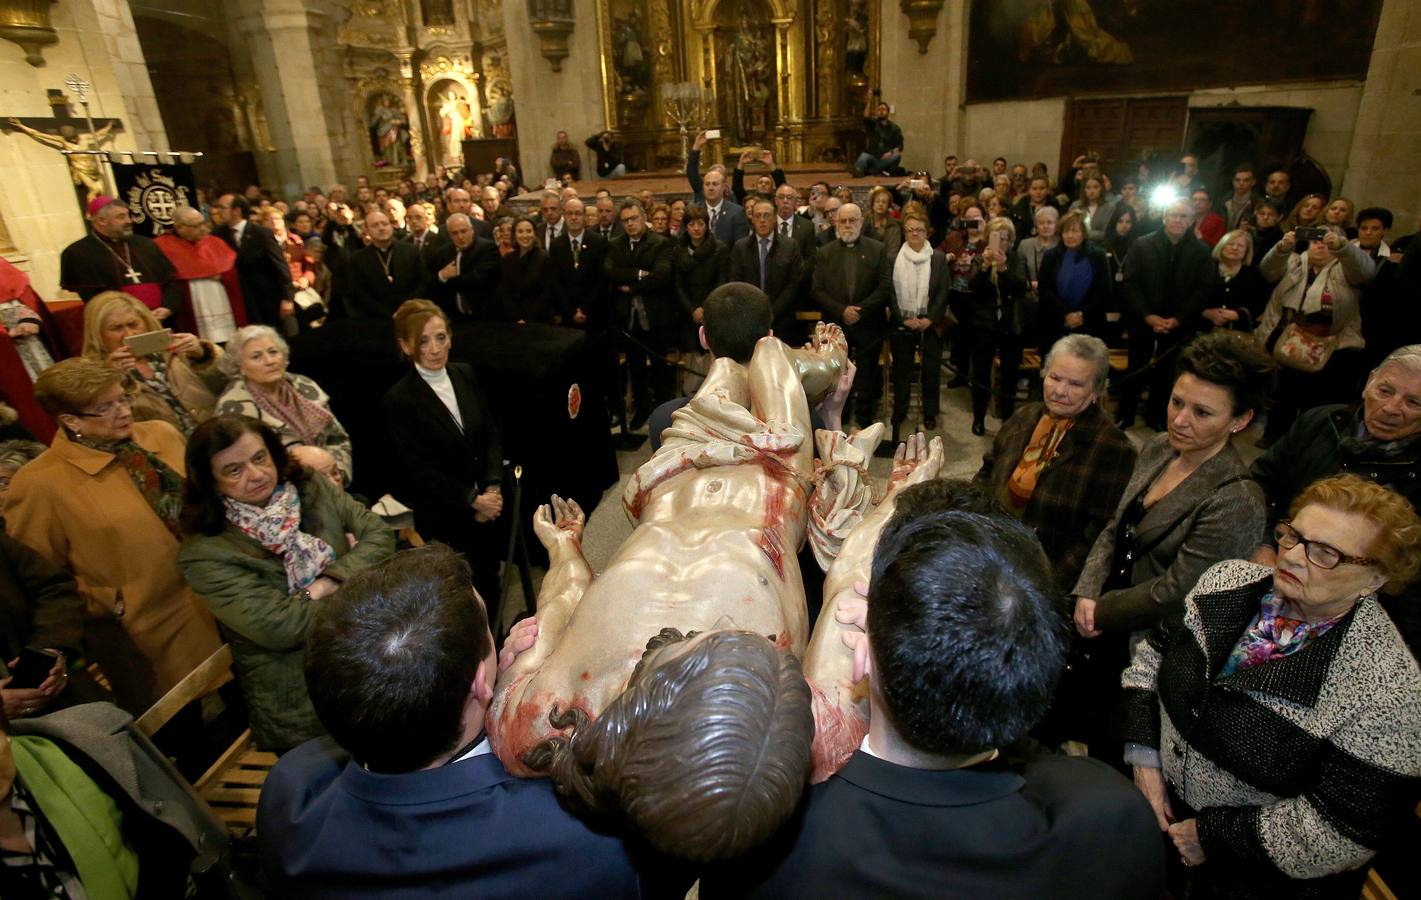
(65, 132)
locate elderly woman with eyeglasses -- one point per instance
(292, 405)
(103, 502)
(1274, 731)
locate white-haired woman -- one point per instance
(293, 405)
(1238, 292)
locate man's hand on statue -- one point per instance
(700, 142)
(831, 408)
(24, 329)
(852, 314)
(521, 637)
(1085, 618)
(853, 612)
(489, 504)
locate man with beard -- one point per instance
(884, 147)
(112, 258)
(852, 287)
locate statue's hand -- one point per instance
(558, 521)
(916, 461)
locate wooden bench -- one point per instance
(233, 783)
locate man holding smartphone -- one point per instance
(884, 147)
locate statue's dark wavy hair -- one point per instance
(706, 755)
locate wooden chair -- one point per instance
(233, 783)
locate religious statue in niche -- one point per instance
(856, 43)
(455, 116)
(389, 129)
(751, 75)
(629, 56)
(500, 109)
(436, 12)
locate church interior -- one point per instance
(171, 104)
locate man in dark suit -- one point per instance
(1164, 276)
(853, 285)
(549, 226)
(464, 272)
(800, 229)
(727, 218)
(638, 274)
(261, 265)
(927, 807)
(606, 225)
(383, 274)
(405, 798)
(772, 263)
(421, 235)
(575, 270)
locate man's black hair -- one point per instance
(965, 656)
(736, 316)
(1381, 214)
(390, 658)
(241, 203)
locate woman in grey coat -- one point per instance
(1189, 504)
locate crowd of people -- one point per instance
(1239, 639)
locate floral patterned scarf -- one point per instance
(162, 385)
(158, 483)
(1273, 636)
(277, 527)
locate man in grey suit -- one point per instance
(852, 287)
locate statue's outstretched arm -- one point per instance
(840, 702)
(558, 525)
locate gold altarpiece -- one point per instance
(787, 75)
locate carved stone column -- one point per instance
(414, 111)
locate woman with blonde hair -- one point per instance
(1237, 293)
(1306, 213)
(178, 385)
(1341, 213)
(1000, 315)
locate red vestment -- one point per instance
(210, 257)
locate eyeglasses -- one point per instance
(104, 410)
(1324, 556)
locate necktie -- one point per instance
(715, 217)
(576, 249)
(784, 229)
(764, 252)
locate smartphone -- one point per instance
(149, 343)
(995, 241)
(917, 184)
(1308, 235)
(713, 134)
(32, 669)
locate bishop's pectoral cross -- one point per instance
(132, 276)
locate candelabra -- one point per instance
(687, 105)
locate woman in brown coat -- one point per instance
(103, 501)
(180, 385)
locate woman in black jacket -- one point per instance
(523, 286)
(1120, 235)
(702, 264)
(1237, 291)
(448, 447)
(920, 284)
(1073, 284)
(999, 315)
